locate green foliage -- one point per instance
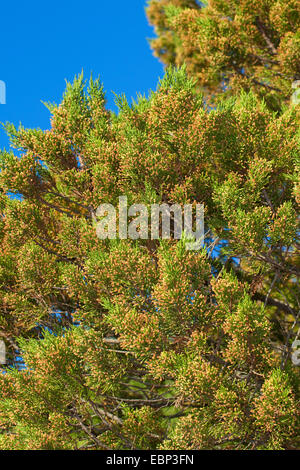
(231, 45)
(144, 344)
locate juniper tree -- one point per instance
(231, 45)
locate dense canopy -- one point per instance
(232, 44)
(143, 344)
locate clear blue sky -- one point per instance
(44, 43)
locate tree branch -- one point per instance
(263, 31)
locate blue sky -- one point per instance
(44, 43)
